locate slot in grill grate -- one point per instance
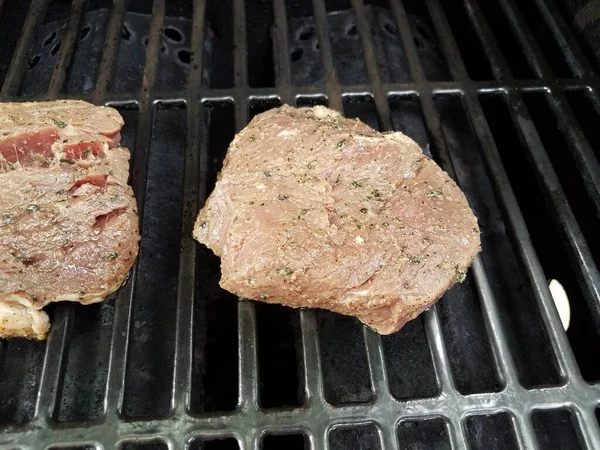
(384, 405)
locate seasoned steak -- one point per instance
(315, 210)
(68, 219)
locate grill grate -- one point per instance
(513, 409)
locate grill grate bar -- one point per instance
(390, 89)
(284, 73)
(20, 60)
(65, 54)
(110, 53)
(311, 357)
(222, 424)
(364, 30)
(194, 157)
(566, 361)
(585, 158)
(579, 252)
(247, 348)
(123, 308)
(53, 370)
(331, 81)
(567, 42)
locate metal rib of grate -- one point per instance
(248, 422)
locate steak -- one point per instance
(315, 210)
(68, 218)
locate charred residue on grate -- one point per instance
(21, 365)
(531, 349)
(359, 436)
(345, 369)
(424, 433)
(491, 431)
(215, 350)
(86, 371)
(150, 362)
(287, 441)
(556, 428)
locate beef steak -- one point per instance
(68, 218)
(315, 210)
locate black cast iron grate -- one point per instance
(498, 92)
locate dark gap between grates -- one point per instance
(219, 29)
(45, 49)
(76, 447)
(363, 437)
(461, 314)
(491, 432)
(586, 44)
(346, 44)
(131, 56)
(87, 363)
(151, 346)
(215, 350)
(285, 441)
(154, 445)
(361, 107)
(175, 56)
(585, 340)
(89, 47)
(311, 101)
(389, 51)
(261, 106)
(563, 161)
(407, 118)
(469, 44)
(545, 39)
(427, 41)
(261, 69)
(598, 415)
(19, 380)
(506, 40)
(279, 356)
(214, 444)
(344, 361)
(556, 429)
(11, 20)
(305, 51)
(408, 362)
(425, 434)
(525, 332)
(588, 116)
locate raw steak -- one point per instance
(315, 210)
(68, 219)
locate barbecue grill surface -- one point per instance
(498, 92)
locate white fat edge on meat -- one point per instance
(19, 320)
